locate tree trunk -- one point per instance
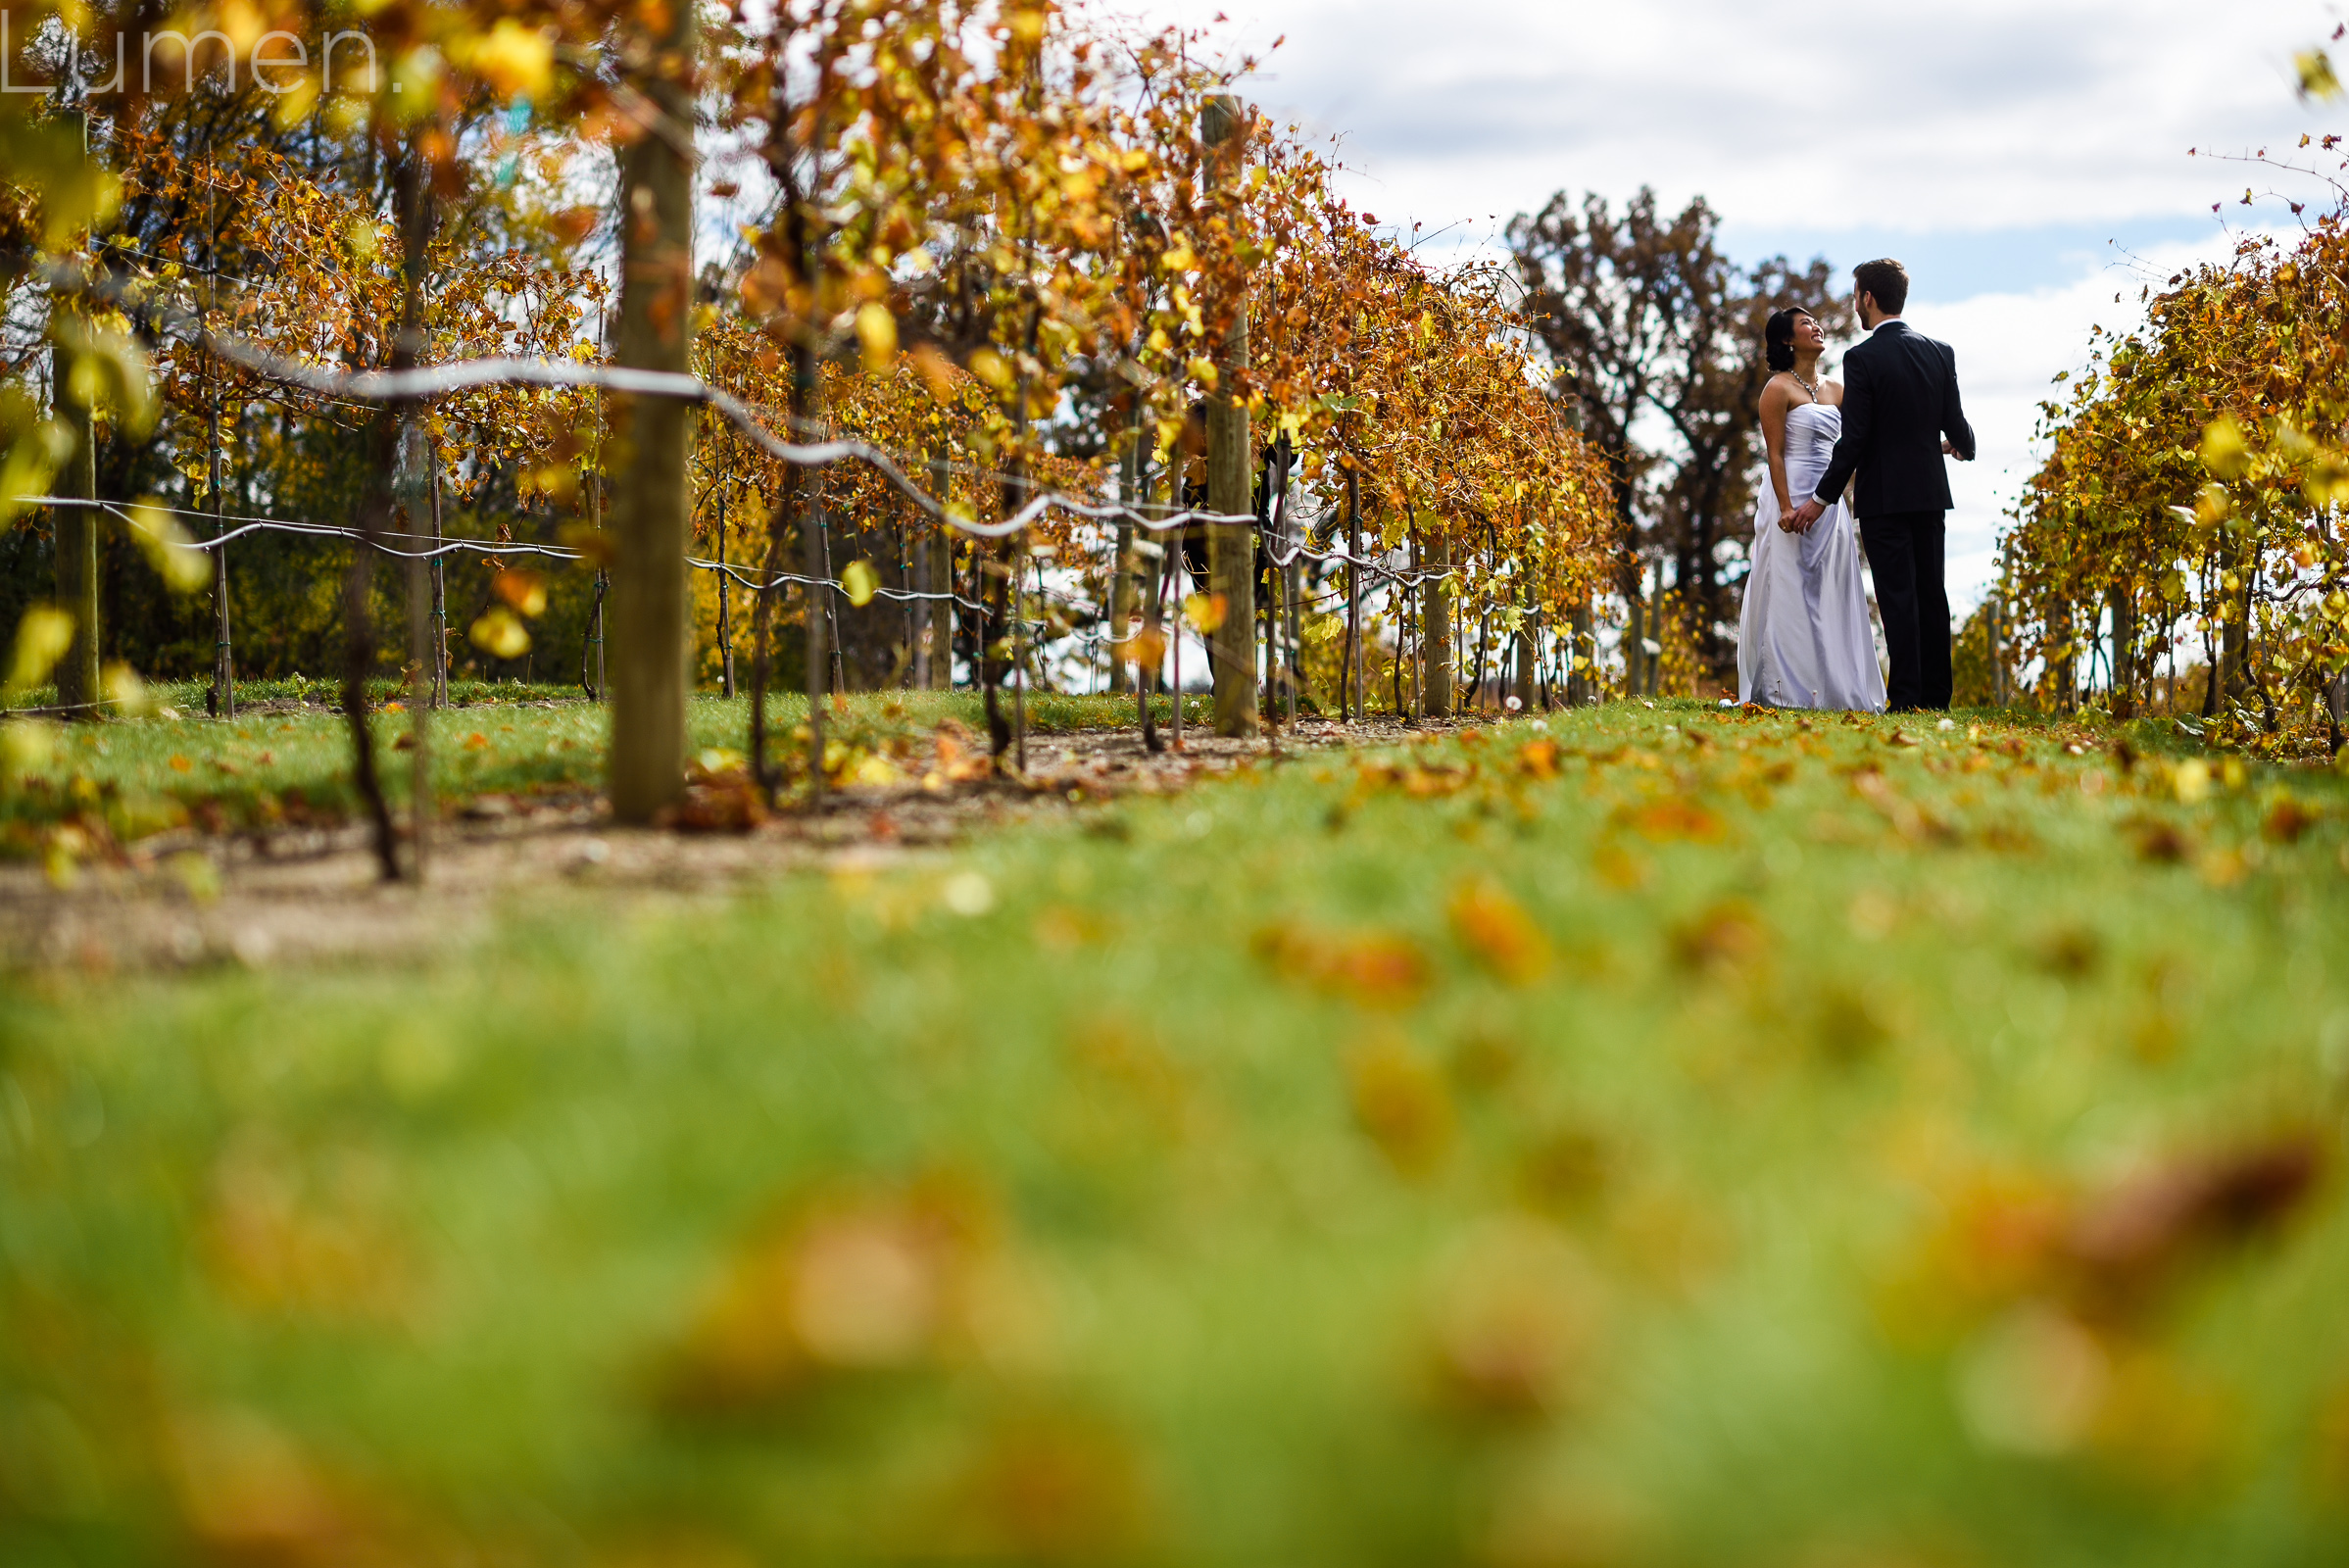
(1231, 471)
(650, 506)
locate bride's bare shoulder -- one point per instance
(1831, 393)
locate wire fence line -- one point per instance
(1283, 544)
(432, 381)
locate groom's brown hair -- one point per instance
(1887, 280)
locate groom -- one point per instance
(1900, 400)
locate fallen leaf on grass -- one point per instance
(852, 1282)
(477, 742)
(1402, 1102)
(1376, 968)
(720, 803)
(955, 763)
(1724, 936)
(1512, 1319)
(1662, 821)
(1896, 808)
(2289, 821)
(2162, 843)
(1619, 868)
(180, 765)
(1497, 930)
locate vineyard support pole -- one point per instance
(654, 334)
(823, 534)
(1410, 626)
(1122, 582)
(1997, 651)
(811, 539)
(1442, 601)
(1176, 571)
(222, 697)
(77, 556)
(1528, 626)
(725, 616)
(1352, 689)
(941, 550)
(1292, 585)
(422, 678)
(2124, 653)
(440, 602)
(1231, 469)
(917, 611)
(1019, 657)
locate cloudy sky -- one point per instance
(2027, 159)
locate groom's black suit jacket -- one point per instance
(1900, 397)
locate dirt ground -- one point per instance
(310, 896)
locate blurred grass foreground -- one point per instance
(1672, 1137)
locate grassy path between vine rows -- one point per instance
(1651, 1136)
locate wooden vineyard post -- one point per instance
(917, 611)
(1292, 588)
(940, 546)
(415, 453)
(1437, 631)
(650, 502)
(1121, 567)
(1175, 573)
(440, 602)
(1998, 661)
(811, 532)
(1528, 631)
(725, 617)
(1231, 468)
(1350, 689)
(78, 559)
(221, 698)
(2124, 653)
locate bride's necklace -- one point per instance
(1812, 387)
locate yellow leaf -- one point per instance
(860, 581)
(169, 550)
(522, 589)
(501, 634)
(877, 332)
(992, 368)
(42, 638)
(2225, 452)
(1496, 928)
(1204, 612)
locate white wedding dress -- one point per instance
(1804, 640)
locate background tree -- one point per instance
(1655, 337)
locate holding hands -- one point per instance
(1801, 519)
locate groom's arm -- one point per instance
(1953, 413)
(1859, 427)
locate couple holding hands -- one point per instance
(1804, 638)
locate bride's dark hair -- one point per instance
(1778, 338)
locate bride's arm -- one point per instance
(1775, 399)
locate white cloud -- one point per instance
(1826, 115)
(2000, 142)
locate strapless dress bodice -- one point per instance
(1812, 430)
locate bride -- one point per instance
(1804, 640)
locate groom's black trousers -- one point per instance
(1904, 557)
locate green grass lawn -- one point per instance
(1670, 1137)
